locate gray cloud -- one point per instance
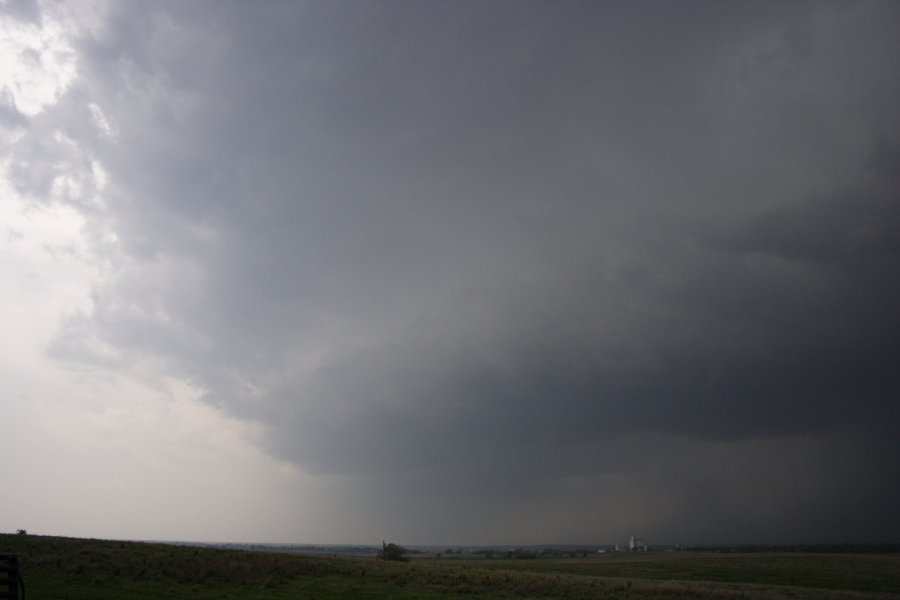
(23, 10)
(455, 250)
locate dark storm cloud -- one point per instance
(473, 249)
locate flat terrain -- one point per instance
(66, 568)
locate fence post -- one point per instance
(11, 578)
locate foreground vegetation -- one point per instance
(66, 568)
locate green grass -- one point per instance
(851, 572)
(76, 569)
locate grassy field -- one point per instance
(854, 572)
(66, 568)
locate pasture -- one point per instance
(79, 569)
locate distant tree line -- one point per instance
(518, 553)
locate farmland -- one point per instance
(68, 568)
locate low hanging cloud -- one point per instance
(445, 251)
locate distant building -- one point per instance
(635, 545)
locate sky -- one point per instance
(503, 272)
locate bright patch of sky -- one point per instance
(90, 435)
(37, 62)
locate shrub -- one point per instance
(393, 552)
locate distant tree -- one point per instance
(393, 552)
(21, 532)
